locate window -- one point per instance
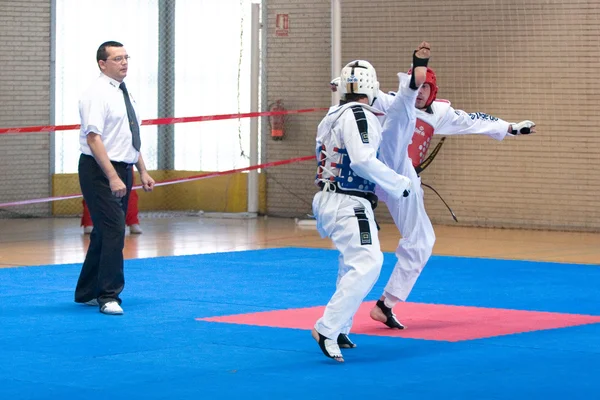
(212, 74)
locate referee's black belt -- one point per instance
(121, 164)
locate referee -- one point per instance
(110, 145)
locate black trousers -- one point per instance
(102, 274)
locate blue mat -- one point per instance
(52, 348)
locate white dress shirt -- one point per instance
(102, 111)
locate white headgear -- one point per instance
(359, 77)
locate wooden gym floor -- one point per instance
(25, 242)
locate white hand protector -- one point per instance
(335, 83)
(522, 128)
(408, 186)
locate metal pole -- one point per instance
(254, 72)
(52, 119)
(336, 45)
(166, 83)
(52, 89)
(264, 121)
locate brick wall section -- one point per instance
(298, 72)
(25, 100)
(515, 60)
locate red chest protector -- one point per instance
(419, 146)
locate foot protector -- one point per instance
(391, 321)
(329, 347)
(344, 341)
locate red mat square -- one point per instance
(424, 321)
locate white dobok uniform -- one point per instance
(348, 139)
(402, 150)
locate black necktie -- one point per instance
(133, 123)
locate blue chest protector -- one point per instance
(348, 179)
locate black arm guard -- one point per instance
(417, 62)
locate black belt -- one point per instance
(115, 163)
(371, 197)
(121, 164)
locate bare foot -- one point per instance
(377, 315)
(381, 313)
(315, 334)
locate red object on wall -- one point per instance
(277, 121)
(282, 25)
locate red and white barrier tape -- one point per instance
(169, 181)
(163, 121)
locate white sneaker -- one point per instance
(111, 308)
(93, 302)
(87, 230)
(135, 229)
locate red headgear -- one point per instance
(432, 82)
